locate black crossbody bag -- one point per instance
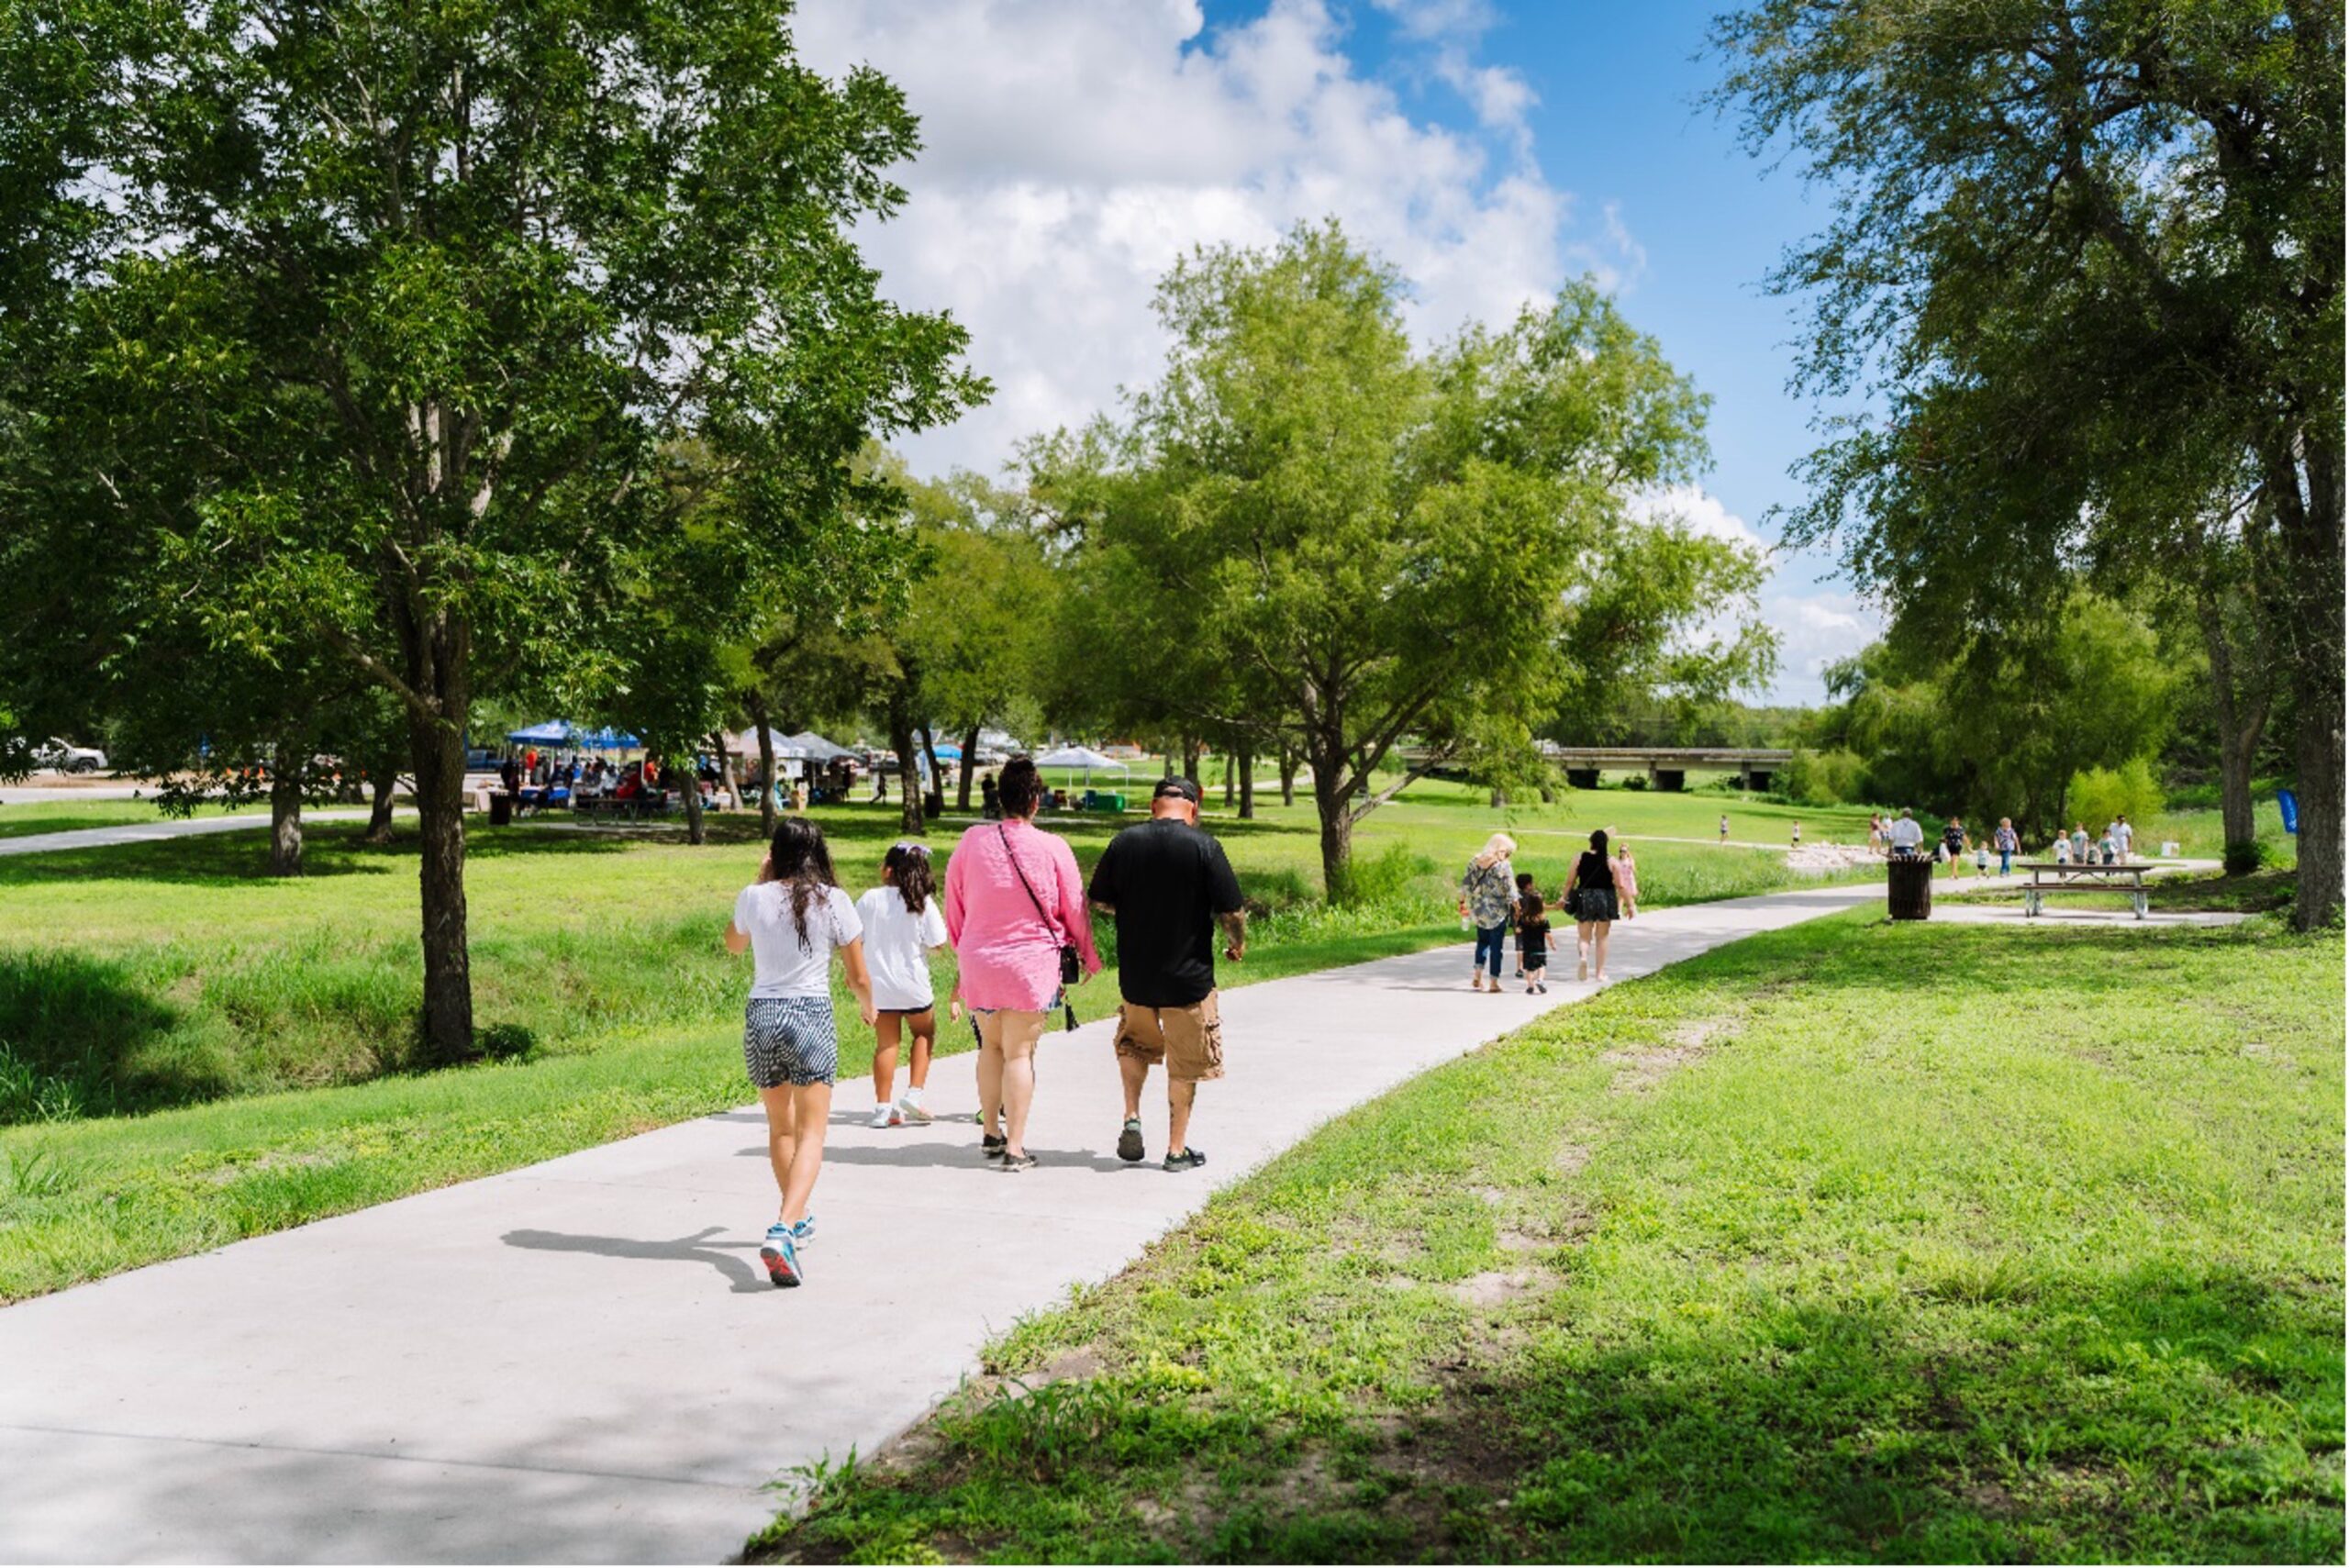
(1072, 961)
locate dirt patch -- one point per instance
(1498, 1288)
(1572, 1158)
(1641, 1071)
(1493, 1196)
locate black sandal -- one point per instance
(992, 1145)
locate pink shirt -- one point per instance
(1009, 957)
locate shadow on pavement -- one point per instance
(745, 1280)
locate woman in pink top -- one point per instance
(1013, 897)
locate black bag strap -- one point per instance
(1003, 831)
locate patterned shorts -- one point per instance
(790, 1040)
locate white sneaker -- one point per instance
(914, 1111)
(886, 1116)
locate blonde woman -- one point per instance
(1488, 896)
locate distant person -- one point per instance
(799, 796)
(1594, 902)
(1488, 894)
(1533, 942)
(1724, 829)
(510, 775)
(1797, 836)
(990, 798)
(2108, 846)
(2010, 845)
(1169, 887)
(1015, 905)
(2079, 843)
(1954, 840)
(1627, 880)
(1875, 832)
(2063, 849)
(1982, 858)
(1524, 886)
(880, 784)
(793, 920)
(1908, 834)
(2124, 835)
(903, 925)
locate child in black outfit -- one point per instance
(1533, 942)
(1524, 886)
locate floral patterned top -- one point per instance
(1490, 893)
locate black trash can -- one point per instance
(1909, 887)
(501, 808)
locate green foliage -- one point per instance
(2086, 257)
(2244, 857)
(2099, 795)
(1835, 777)
(1307, 536)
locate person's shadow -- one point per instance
(745, 1279)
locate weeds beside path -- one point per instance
(1854, 1241)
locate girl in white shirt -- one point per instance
(793, 919)
(903, 925)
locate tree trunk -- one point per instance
(1336, 831)
(1288, 777)
(936, 790)
(2310, 530)
(1230, 783)
(695, 832)
(1247, 763)
(970, 753)
(440, 756)
(2241, 720)
(379, 818)
(757, 707)
(901, 741)
(729, 776)
(287, 770)
(1191, 759)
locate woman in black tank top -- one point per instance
(1593, 903)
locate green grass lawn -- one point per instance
(192, 1051)
(1850, 1241)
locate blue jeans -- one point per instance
(2006, 863)
(1490, 940)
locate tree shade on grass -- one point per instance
(1853, 1241)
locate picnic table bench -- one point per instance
(2086, 876)
(633, 807)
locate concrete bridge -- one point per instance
(1668, 767)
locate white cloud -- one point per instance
(1701, 512)
(1075, 148)
(1814, 627)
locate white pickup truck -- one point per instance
(67, 758)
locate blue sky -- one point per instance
(1489, 148)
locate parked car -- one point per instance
(67, 758)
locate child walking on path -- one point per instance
(1533, 942)
(903, 925)
(1627, 880)
(793, 920)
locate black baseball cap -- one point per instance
(1176, 789)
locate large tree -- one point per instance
(2087, 256)
(1381, 540)
(430, 294)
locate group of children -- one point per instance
(1531, 918)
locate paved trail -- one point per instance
(162, 828)
(581, 1361)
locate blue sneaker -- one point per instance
(805, 1231)
(781, 1257)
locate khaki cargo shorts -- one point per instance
(1188, 1039)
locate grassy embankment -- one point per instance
(192, 1051)
(1847, 1242)
(23, 817)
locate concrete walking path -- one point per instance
(162, 828)
(583, 1361)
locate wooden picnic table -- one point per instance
(2084, 877)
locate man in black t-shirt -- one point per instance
(1169, 884)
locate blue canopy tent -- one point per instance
(608, 739)
(554, 732)
(950, 752)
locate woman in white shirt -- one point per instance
(903, 925)
(793, 920)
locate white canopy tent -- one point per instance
(1082, 757)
